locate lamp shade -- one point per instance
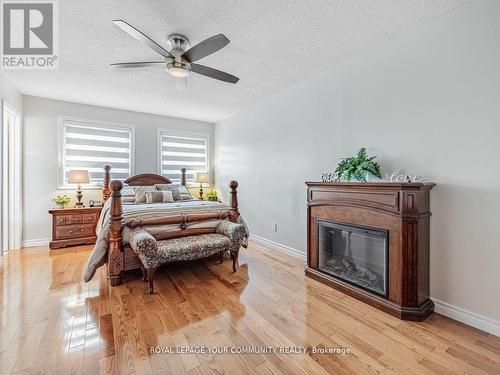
(202, 177)
(78, 176)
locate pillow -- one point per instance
(159, 197)
(140, 193)
(128, 199)
(169, 187)
(127, 191)
(185, 194)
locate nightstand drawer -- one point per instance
(76, 219)
(73, 231)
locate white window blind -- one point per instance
(183, 151)
(89, 146)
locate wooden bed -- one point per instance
(123, 258)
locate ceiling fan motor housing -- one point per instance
(179, 43)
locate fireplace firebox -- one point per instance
(357, 255)
(371, 241)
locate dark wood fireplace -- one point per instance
(371, 241)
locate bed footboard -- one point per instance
(116, 261)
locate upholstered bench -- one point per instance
(153, 253)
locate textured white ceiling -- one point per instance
(274, 44)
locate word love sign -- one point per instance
(330, 177)
(397, 176)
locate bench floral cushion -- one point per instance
(236, 232)
(154, 253)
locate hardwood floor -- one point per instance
(53, 323)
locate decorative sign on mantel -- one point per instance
(330, 177)
(398, 176)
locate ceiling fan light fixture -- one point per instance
(177, 72)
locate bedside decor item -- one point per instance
(398, 176)
(330, 177)
(79, 176)
(212, 196)
(61, 200)
(73, 226)
(358, 167)
(93, 203)
(201, 178)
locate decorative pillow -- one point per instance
(127, 191)
(185, 194)
(140, 193)
(169, 187)
(128, 199)
(159, 197)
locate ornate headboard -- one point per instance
(143, 179)
(146, 179)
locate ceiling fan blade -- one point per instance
(205, 48)
(136, 34)
(137, 64)
(214, 73)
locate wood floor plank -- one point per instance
(51, 322)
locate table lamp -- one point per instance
(78, 176)
(201, 178)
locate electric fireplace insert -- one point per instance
(355, 254)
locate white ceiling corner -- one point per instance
(273, 45)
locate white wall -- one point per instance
(427, 101)
(9, 93)
(40, 166)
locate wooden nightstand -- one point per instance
(73, 226)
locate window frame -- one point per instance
(188, 134)
(61, 120)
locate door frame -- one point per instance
(13, 185)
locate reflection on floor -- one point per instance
(53, 323)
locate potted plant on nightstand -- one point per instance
(62, 200)
(359, 167)
(212, 196)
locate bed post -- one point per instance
(115, 253)
(234, 201)
(106, 191)
(183, 176)
(234, 218)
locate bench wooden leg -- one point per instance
(234, 257)
(144, 273)
(151, 273)
(114, 280)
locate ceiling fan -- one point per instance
(180, 60)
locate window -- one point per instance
(187, 150)
(91, 144)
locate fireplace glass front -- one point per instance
(354, 254)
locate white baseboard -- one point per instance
(33, 243)
(275, 245)
(467, 317)
(454, 312)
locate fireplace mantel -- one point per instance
(401, 209)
